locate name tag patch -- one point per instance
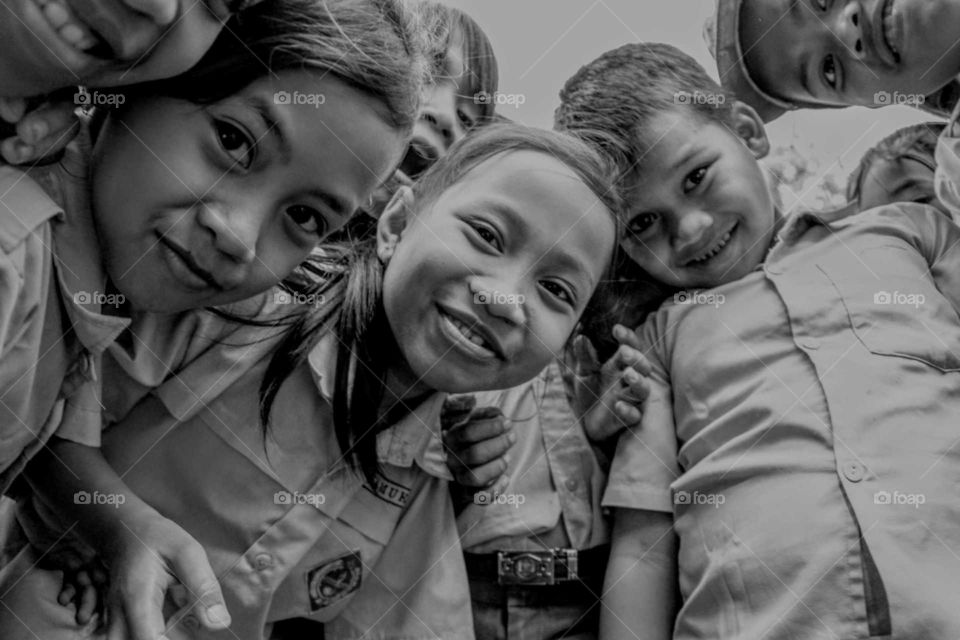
(334, 580)
(389, 491)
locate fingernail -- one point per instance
(22, 150)
(37, 131)
(218, 615)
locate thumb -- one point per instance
(193, 570)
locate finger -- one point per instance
(627, 413)
(587, 362)
(67, 592)
(487, 451)
(53, 142)
(16, 151)
(473, 432)
(193, 570)
(484, 475)
(117, 628)
(12, 109)
(88, 604)
(636, 388)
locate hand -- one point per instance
(152, 559)
(609, 398)
(84, 587)
(478, 442)
(36, 132)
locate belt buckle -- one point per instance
(545, 567)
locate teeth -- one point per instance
(723, 242)
(73, 32)
(469, 334)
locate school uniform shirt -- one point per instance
(802, 429)
(52, 330)
(947, 175)
(555, 478)
(289, 530)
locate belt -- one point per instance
(540, 567)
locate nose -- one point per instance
(500, 301)
(440, 112)
(689, 231)
(161, 12)
(849, 29)
(234, 232)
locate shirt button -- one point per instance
(263, 561)
(853, 471)
(572, 484)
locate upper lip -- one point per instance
(475, 325)
(874, 39)
(703, 247)
(188, 259)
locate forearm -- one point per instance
(641, 582)
(78, 484)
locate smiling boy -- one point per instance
(779, 55)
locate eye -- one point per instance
(639, 224)
(308, 219)
(829, 71)
(466, 120)
(235, 142)
(694, 179)
(487, 234)
(559, 291)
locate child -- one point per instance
(772, 481)
(231, 185)
(900, 168)
(402, 321)
(778, 55)
(48, 45)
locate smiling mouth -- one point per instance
(467, 338)
(711, 253)
(72, 31)
(888, 30)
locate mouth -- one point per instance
(420, 156)
(185, 268)
(72, 31)
(887, 33)
(714, 249)
(469, 336)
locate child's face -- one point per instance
(903, 179)
(850, 52)
(204, 205)
(445, 115)
(486, 284)
(51, 44)
(701, 213)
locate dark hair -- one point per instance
(376, 46)
(919, 140)
(351, 274)
(611, 101)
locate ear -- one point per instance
(394, 219)
(749, 126)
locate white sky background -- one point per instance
(540, 43)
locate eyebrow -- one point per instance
(688, 153)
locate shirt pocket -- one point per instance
(893, 306)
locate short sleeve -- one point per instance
(645, 463)
(418, 588)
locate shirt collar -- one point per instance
(411, 440)
(80, 273)
(795, 226)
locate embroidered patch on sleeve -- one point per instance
(334, 580)
(389, 491)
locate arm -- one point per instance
(639, 592)
(145, 553)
